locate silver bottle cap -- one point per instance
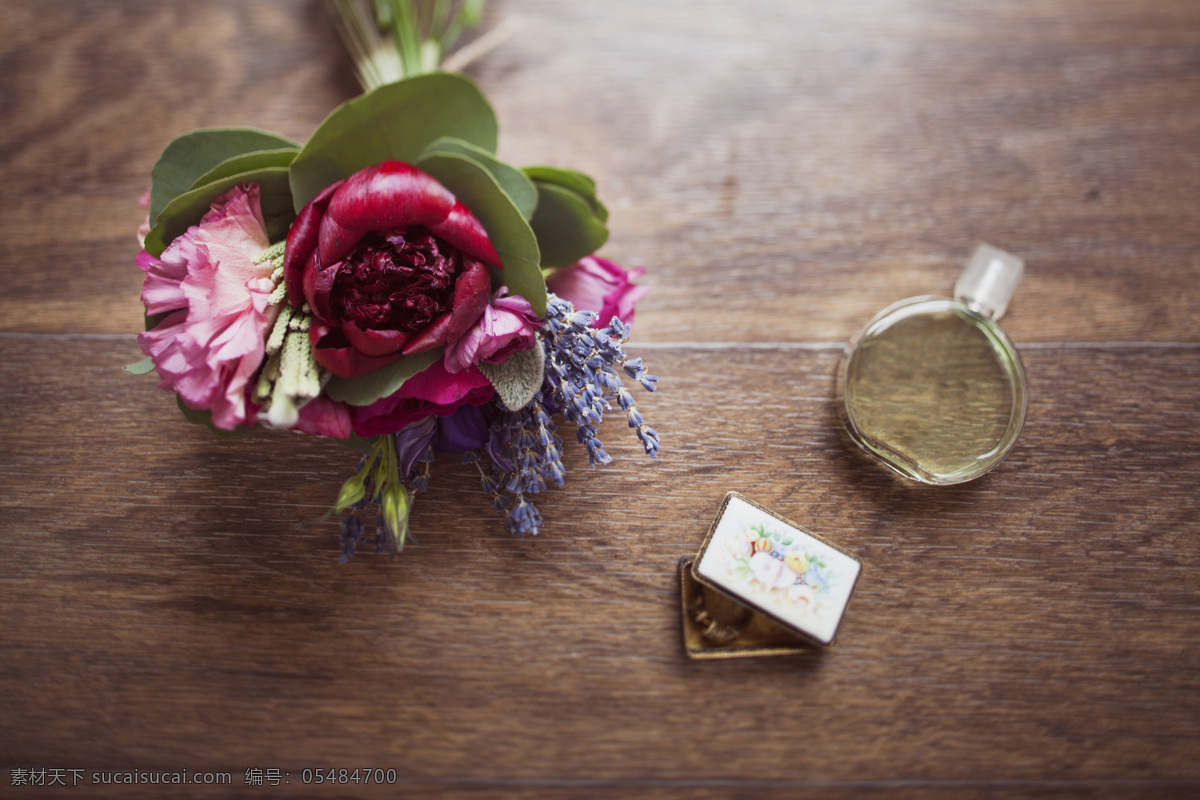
(988, 282)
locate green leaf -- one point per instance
(191, 155)
(519, 377)
(571, 179)
(393, 122)
(247, 162)
(512, 180)
(366, 389)
(188, 208)
(205, 418)
(509, 232)
(140, 367)
(567, 228)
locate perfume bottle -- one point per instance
(931, 386)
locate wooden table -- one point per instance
(172, 601)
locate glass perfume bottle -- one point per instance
(931, 386)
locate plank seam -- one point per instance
(692, 345)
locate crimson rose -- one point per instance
(390, 264)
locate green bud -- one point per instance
(395, 512)
(352, 491)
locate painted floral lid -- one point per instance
(777, 568)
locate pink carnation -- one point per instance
(508, 324)
(211, 345)
(597, 284)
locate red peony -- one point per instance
(390, 264)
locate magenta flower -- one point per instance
(597, 284)
(433, 392)
(391, 264)
(508, 324)
(211, 344)
(325, 417)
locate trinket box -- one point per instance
(762, 585)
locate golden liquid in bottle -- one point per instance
(935, 391)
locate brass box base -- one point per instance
(715, 626)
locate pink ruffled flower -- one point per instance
(597, 284)
(433, 392)
(211, 345)
(508, 325)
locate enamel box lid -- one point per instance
(777, 568)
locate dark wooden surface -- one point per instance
(784, 169)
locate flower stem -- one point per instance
(390, 40)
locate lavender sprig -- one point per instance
(525, 449)
(582, 380)
(353, 528)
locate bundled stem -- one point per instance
(390, 40)
(377, 484)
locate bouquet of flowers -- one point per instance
(391, 284)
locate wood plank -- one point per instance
(92, 93)
(586, 789)
(784, 169)
(171, 599)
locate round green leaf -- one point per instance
(140, 367)
(191, 155)
(508, 231)
(512, 180)
(393, 122)
(188, 208)
(566, 228)
(571, 179)
(366, 389)
(247, 162)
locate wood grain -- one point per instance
(816, 161)
(170, 600)
(1032, 626)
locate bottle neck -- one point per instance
(988, 282)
